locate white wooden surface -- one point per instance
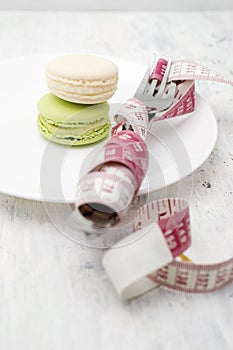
(97, 5)
(53, 293)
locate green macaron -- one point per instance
(71, 123)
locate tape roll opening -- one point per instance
(99, 214)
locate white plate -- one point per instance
(176, 148)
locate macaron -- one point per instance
(70, 123)
(86, 79)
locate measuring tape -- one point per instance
(160, 230)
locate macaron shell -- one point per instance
(65, 113)
(82, 67)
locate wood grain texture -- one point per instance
(54, 294)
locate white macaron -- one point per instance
(86, 79)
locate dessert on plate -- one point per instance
(71, 123)
(84, 79)
(75, 112)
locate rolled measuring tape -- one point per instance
(160, 230)
(106, 192)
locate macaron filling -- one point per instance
(65, 135)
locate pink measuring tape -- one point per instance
(160, 230)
